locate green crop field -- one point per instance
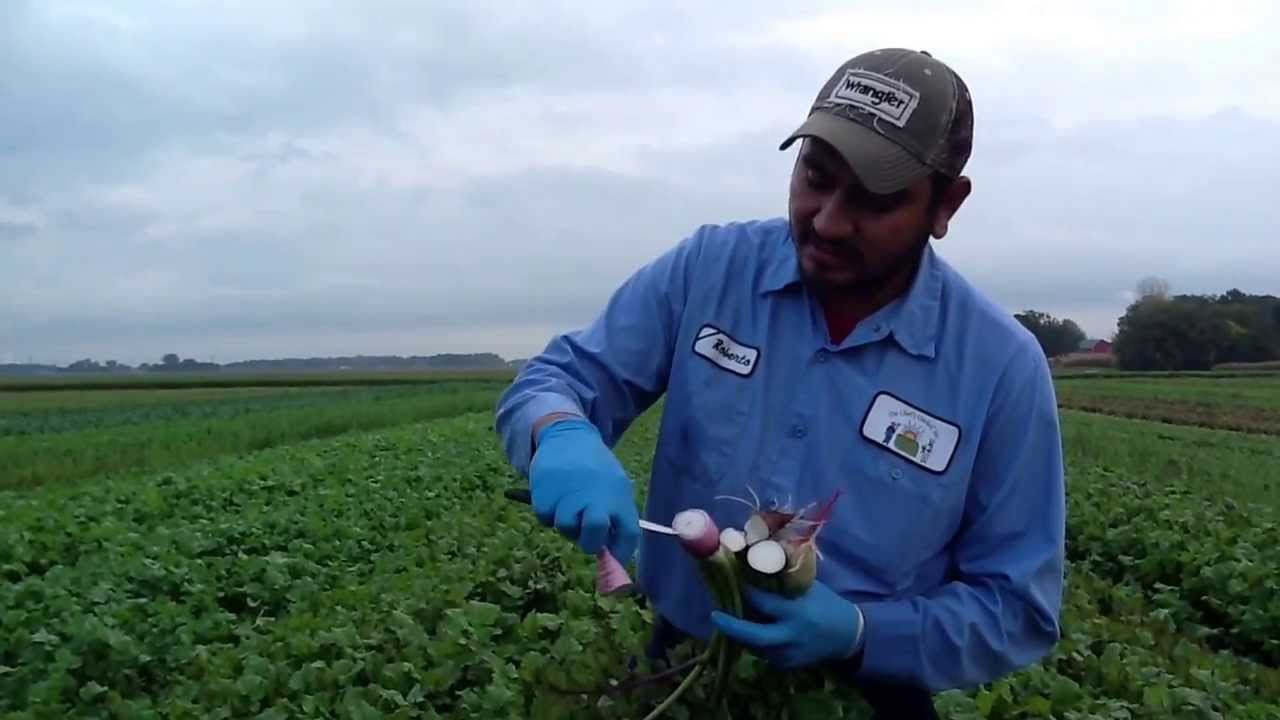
(310, 547)
(45, 442)
(1250, 404)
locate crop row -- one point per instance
(1123, 656)
(1248, 405)
(50, 459)
(1209, 563)
(1209, 415)
(1211, 463)
(236, 379)
(235, 403)
(381, 575)
(326, 578)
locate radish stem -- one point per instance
(638, 682)
(802, 569)
(684, 685)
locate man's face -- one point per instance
(850, 241)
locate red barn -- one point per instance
(1094, 345)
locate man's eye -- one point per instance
(816, 178)
(882, 203)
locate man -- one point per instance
(833, 350)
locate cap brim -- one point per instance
(881, 165)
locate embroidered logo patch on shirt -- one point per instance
(911, 433)
(715, 345)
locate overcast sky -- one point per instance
(259, 179)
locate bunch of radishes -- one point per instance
(775, 551)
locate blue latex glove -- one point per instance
(819, 625)
(579, 487)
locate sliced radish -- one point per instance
(733, 539)
(756, 530)
(767, 557)
(697, 531)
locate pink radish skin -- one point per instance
(697, 532)
(611, 577)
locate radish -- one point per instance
(733, 539)
(611, 577)
(756, 529)
(767, 557)
(714, 551)
(802, 568)
(765, 562)
(776, 550)
(697, 532)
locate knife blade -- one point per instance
(524, 496)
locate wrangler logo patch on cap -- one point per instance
(882, 96)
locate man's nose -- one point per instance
(834, 221)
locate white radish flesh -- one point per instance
(733, 539)
(767, 557)
(756, 530)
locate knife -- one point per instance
(524, 496)
(608, 570)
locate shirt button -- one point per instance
(896, 473)
(822, 356)
(797, 431)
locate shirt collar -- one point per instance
(912, 318)
(781, 270)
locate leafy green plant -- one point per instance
(379, 574)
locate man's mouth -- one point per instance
(827, 254)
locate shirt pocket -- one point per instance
(707, 426)
(892, 518)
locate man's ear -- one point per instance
(952, 198)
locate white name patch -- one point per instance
(726, 353)
(888, 98)
(911, 433)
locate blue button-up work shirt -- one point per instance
(935, 419)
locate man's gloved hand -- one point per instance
(817, 626)
(579, 487)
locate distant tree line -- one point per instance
(1160, 331)
(173, 362)
(1163, 331)
(442, 361)
(1056, 336)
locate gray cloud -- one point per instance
(382, 177)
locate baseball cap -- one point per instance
(895, 115)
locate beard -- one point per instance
(844, 271)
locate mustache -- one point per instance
(844, 249)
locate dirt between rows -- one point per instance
(1221, 416)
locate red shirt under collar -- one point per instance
(840, 322)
